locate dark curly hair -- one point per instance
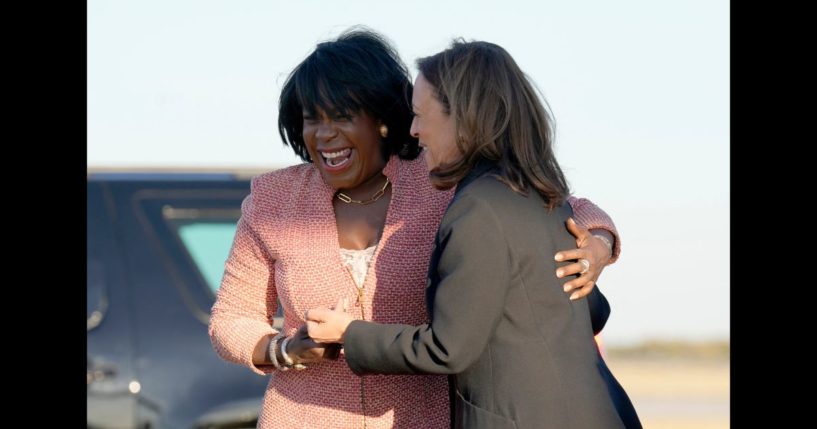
(359, 71)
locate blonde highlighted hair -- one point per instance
(499, 117)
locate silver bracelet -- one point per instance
(273, 352)
(606, 241)
(287, 360)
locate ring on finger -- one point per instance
(585, 265)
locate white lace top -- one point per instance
(358, 262)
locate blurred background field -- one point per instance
(675, 385)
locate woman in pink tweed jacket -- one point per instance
(345, 111)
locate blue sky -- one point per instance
(639, 89)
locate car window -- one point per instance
(207, 235)
(209, 245)
(190, 234)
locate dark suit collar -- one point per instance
(481, 168)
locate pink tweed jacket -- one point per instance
(286, 247)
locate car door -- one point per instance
(111, 401)
(179, 235)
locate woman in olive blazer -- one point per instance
(520, 353)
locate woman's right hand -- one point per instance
(328, 325)
(303, 349)
(588, 248)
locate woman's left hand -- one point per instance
(326, 325)
(591, 249)
(303, 349)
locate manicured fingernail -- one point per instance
(558, 257)
(567, 288)
(574, 296)
(559, 273)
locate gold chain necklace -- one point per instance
(347, 199)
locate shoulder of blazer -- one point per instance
(507, 205)
(272, 193)
(477, 200)
(486, 188)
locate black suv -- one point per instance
(157, 243)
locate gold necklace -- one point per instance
(346, 199)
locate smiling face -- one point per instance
(345, 148)
(432, 126)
